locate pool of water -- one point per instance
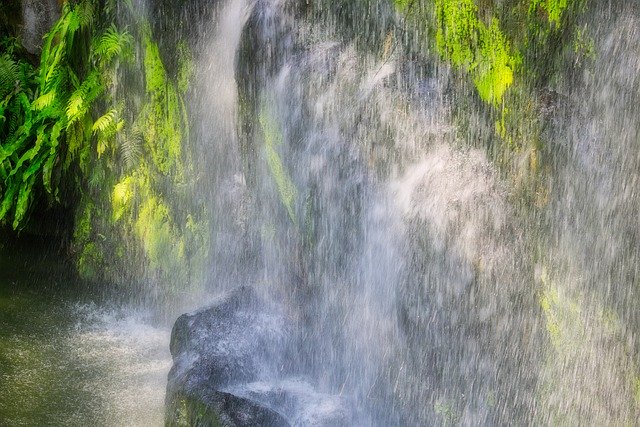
(69, 356)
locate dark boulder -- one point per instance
(235, 341)
(232, 366)
(38, 17)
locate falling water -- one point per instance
(423, 286)
(425, 292)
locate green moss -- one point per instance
(162, 119)
(553, 8)
(122, 197)
(402, 5)
(154, 71)
(154, 228)
(90, 261)
(83, 225)
(563, 316)
(457, 32)
(479, 49)
(494, 72)
(273, 140)
(446, 411)
(583, 46)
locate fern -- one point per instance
(45, 114)
(9, 71)
(106, 122)
(131, 148)
(106, 128)
(112, 44)
(44, 101)
(85, 13)
(81, 99)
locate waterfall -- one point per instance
(411, 213)
(344, 189)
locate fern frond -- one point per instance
(10, 194)
(97, 177)
(9, 72)
(35, 166)
(71, 22)
(44, 101)
(85, 13)
(47, 172)
(75, 138)
(107, 130)
(131, 148)
(53, 75)
(4, 174)
(113, 44)
(30, 154)
(108, 120)
(81, 99)
(22, 204)
(74, 81)
(56, 130)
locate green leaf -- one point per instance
(44, 100)
(22, 204)
(32, 152)
(8, 75)
(113, 44)
(7, 201)
(47, 171)
(106, 121)
(35, 166)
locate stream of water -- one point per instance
(342, 186)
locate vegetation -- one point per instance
(273, 139)
(148, 163)
(46, 112)
(67, 131)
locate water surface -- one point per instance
(70, 357)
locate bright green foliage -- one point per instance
(9, 72)
(471, 45)
(157, 232)
(155, 74)
(45, 115)
(273, 140)
(114, 44)
(494, 72)
(147, 174)
(458, 31)
(106, 127)
(402, 5)
(161, 121)
(553, 8)
(122, 197)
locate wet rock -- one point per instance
(231, 367)
(38, 16)
(236, 340)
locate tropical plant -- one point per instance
(46, 114)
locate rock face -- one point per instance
(231, 367)
(215, 348)
(38, 16)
